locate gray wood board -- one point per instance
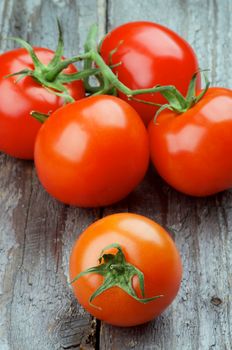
(37, 308)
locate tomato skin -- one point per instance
(150, 54)
(92, 152)
(190, 151)
(18, 129)
(147, 246)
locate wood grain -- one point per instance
(201, 316)
(37, 308)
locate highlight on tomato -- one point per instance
(190, 147)
(92, 152)
(32, 79)
(125, 269)
(145, 55)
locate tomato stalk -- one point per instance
(110, 83)
(117, 272)
(51, 76)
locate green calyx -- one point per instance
(51, 76)
(117, 272)
(177, 102)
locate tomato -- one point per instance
(147, 247)
(149, 54)
(18, 129)
(92, 152)
(191, 151)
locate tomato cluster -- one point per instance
(94, 147)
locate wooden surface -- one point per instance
(37, 308)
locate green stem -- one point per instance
(111, 79)
(88, 62)
(110, 82)
(52, 74)
(41, 117)
(106, 71)
(67, 78)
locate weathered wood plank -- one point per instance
(38, 310)
(201, 316)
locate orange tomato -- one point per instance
(18, 130)
(92, 152)
(147, 247)
(191, 151)
(150, 55)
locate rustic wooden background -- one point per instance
(37, 308)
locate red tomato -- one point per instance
(150, 54)
(148, 247)
(92, 152)
(18, 129)
(191, 151)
